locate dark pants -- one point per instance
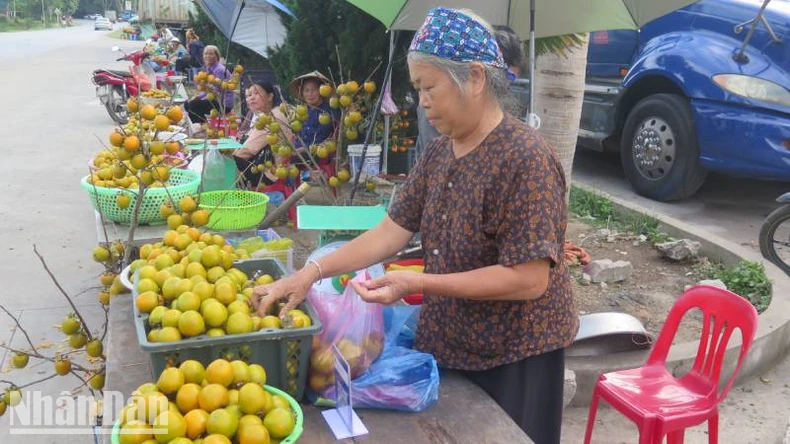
(198, 109)
(530, 391)
(183, 64)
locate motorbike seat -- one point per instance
(120, 73)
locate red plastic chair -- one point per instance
(662, 405)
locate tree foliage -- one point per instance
(325, 30)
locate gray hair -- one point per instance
(497, 82)
(215, 49)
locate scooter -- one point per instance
(775, 235)
(114, 87)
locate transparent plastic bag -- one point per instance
(353, 325)
(401, 378)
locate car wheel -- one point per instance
(659, 150)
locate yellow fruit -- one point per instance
(279, 401)
(211, 257)
(214, 274)
(213, 397)
(334, 181)
(168, 426)
(191, 323)
(170, 318)
(94, 348)
(161, 277)
(187, 204)
(116, 139)
(325, 90)
(62, 366)
(150, 405)
(257, 374)
(253, 434)
(148, 112)
(214, 314)
(222, 422)
(345, 101)
(135, 432)
(241, 372)
(170, 289)
(355, 116)
(218, 240)
(196, 421)
(369, 87)
(239, 323)
(172, 147)
(225, 293)
(193, 371)
(238, 307)
(233, 397)
(147, 301)
(174, 221)
(200, 218)
(271, 322)
(188, 301)
(123, 200)
(170, 381)
(164, 261)
(195, 269)
(220, 372)
(279, 422)
(215, 332)
(203, 290)
(131, 143)
(187, 397)
(168, 334)
(216, 439)
(147, 283)
(352, 86)
(253, 399)
(101, 254)
(175, 114)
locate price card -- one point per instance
(343, 421)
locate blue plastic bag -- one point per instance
(401, 378)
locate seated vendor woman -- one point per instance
(488, 198)
(201, 104)
(307, 89)
(262, 98)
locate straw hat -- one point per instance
(296, 84)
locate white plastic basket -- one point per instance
(286, 257)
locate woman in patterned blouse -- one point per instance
(488, 200)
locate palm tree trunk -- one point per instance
(559, 95)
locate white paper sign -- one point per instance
(343, 421)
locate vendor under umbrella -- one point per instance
(488, 198)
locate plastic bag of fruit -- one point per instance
(353, 325)
(400, 379)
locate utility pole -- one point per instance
(43, 14)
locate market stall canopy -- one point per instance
(553, 17)
(255, 24)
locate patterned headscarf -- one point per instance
(453, 35)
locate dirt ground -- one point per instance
(647, 295)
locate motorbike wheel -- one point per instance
(768, 243)
(116, 106)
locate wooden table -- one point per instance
(463, 414)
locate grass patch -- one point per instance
(21, 24)
(599, 211)
(747, 279)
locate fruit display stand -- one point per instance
(463, 413)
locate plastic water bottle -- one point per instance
(214, 172)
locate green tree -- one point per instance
(324, 29)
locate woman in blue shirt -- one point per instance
(306, 88)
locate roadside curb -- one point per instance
(770, 342)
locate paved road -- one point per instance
(728, 207)
(51, 117)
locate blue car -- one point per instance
(706, 88)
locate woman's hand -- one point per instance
(392, 287)
(294, 288)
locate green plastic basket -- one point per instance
(234, 209)
(182, 183)
(284, 353)
(290, 439)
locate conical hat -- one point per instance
(296, 84)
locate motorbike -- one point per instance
(775, 235)
(114, 87)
